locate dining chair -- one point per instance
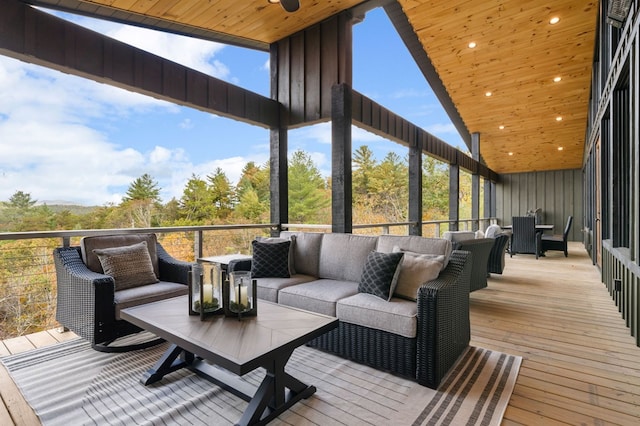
(524, 238)
(557, 242)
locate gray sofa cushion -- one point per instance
(457, 236)
(268, 287)
(147, 294)
(317, 296)
(342, 256)
(306, 251)
(397, 316)
(415, 243)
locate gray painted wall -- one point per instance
(557, 193)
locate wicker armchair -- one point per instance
(88, 303)
(496, 257)
(480, 249)
(524, 239)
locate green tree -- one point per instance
(390, 184)
(196, 206)
(309, 196)
(435, 189)
(142, 202)
(364, 165)
(21, 201)
(221, 193)
(144, 188)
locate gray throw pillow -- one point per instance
(380, 274)
(270, 260)
(130, 266)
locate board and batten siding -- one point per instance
(558, 193)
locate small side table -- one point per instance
(223, 261)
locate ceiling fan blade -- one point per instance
(290, 5)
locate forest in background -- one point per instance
(380, 195)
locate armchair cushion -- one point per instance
(130, 266)
(270, 260)
(380, 274)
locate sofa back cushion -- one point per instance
(342, 256)
(88, 244)
(457, 236)
(416, 243)
(306, 251)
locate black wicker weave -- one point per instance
(85, 302)
(496, 261)
(524, 238)
(443, 329)
(480, 249)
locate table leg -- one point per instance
(167, 363)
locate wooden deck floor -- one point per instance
(580, 364)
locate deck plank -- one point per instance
(579, 359)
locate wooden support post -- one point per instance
(415, 184)
(341, 173)
(475, 183)
(454, 196)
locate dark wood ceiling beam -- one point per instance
(375, 118)
(37, 37)
(405, 30)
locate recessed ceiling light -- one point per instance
(554, 20)
(511, 153)
(557, 79)
(560, 148)
(501, 127)
(472, 45)
(558, 118)
(488, 94)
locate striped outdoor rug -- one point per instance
(71, 384)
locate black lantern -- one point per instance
(240, 295)
(205, 290)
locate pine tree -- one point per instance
(309, 196)
(222, 194)
(143, 188)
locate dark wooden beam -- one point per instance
(341, 172)
(415, 184)
(278, 161)
(475, 182)
(375, 118)
(31, 35)
(454, 196)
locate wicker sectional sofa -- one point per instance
(418, 339)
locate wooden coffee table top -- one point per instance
(237, 345)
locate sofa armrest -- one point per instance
(444, 329)
(172, 269)
(78, 291)
(239, 265)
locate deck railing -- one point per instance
(27, 272)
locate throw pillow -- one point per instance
(270, 260)
(440, 258)
(130, 266)
(479, 234)
(380, 274)
(416, 269)
(492, 231)
(292, 238)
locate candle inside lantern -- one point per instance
(243, 298)
(207, 293)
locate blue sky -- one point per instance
(65, 138)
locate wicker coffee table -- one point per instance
(238, 346)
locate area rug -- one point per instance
(71, 384)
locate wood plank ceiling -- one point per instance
(518, 54)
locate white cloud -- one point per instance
(441, 128)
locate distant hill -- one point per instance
(59, 206)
